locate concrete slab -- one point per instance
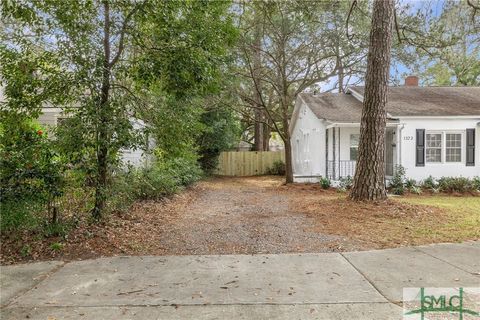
(465, 256)
(191, 280)
(17, 279)
(384, 311)
(392, 270)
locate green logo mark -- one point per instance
(442, 303)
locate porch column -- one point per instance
(339, 155)
(326, 152)
(334, 173)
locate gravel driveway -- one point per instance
(216, 216)
(245, 215)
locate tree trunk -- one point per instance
(258, 133)
(288, 161)
(102, 129)
(369, 181)
(341, 76)
(266, 135)
(288, 148)
(257, 65)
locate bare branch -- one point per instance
(475, 7)
(123, 31)
(354, 4)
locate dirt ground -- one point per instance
(251, 215)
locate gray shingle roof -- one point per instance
(402, 102)
(334, 106)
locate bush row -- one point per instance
(160, 180)
(400, 184)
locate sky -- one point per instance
(398, 70)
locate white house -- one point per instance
(430, 131)
(52, 116)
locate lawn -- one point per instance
(400, 221)
(460, 219)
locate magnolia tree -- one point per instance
(106, 62)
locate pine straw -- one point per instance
(385, 224)
(252, 215)
(133, 233)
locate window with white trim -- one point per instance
(443, 146)
(433, 147)
(453, 147)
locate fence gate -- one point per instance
(247, 163)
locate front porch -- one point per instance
(342, 140)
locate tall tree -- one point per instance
(111, 61)
(297, 51)
(259, 131)
(369, 180)
(457, 62)
(103, 107)
(350, 42)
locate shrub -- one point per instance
(429, 183)
(456, 184)
(410, 183)
(346, 183)
(31, 175)
(220, 131)
(164, 178)
(325, 183)
(476, 183)
(20, 214)
(397, 184)
(277, 169)
(415, 189)
(56, 246)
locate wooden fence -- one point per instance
(247, 163)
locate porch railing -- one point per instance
(339, 169)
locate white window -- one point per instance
(453, 147)
(442, 147)
(354, 138)
(433, 148)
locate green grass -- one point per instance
(460, 221)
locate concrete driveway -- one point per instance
(356, 285)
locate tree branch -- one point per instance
(123, 31)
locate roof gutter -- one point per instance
(439, 117)
(355, 124)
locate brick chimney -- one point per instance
(411, 81)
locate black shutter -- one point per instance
(420, 148)
(470, 147)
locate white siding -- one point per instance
(444, 169)
(48, 118)
(133, 157)
(308, 146)
(136, 158)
